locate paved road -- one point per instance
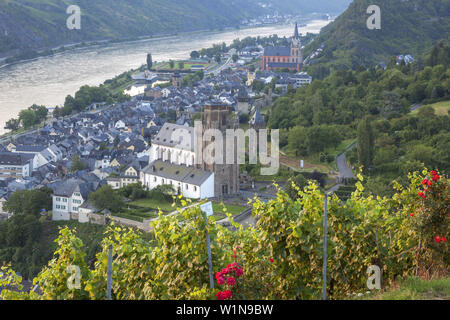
(416, 106)
(225, 65)
(345, 172)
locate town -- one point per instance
(132, 142)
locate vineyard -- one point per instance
(280, 258)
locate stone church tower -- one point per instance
(296, 47)
(218, 115)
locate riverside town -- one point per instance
(225, 158)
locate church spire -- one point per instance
(296, 36)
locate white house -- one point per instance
(68, 197)
(15, 165)
(175, 144)
(190, 182)
(120, 125)
(301, 79)
(130, 176)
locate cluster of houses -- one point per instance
(130, 142)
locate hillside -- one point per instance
(411, 26)
(30, 25)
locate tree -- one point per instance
(235, 58)
(106, 198)
(366, 143)
(12, 124)
(181, 65)
(76, 165)
(218, 58)
(57, 112)
(294, 184)
(40, 111)
(116, 141)
(195, 55)
(29, 202)
(27, 118)
(149, 61)
(172, 64)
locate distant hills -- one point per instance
(30, 25)
(407, 26)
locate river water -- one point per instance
(48, 80)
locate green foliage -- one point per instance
(106, 198)
(149, 61)
(27, 118)
(29, 202)
(281, 256)
(77, 164)
(134, 191)
(407, 27)
(366, 143)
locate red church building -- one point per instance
(284, 57)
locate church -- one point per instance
(284, 57)
(175, 160)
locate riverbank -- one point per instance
(48, 80)
(48, 52)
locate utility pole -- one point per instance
(108, 284)
(325, 222)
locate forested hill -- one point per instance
(407, 27)
(27, 25)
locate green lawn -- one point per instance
(148, 209)
(415, 289)
(441, 108)
(231, 208)
(187, 65)
(153, 204)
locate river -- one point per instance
(48, 80)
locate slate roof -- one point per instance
(277, 51)
(32, 148)
(168, 134)
(282, 65)
(257, 119)
(184, 174)
(68, 187)
(18, 159)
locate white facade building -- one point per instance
(190, 182)
(67, 198)
(174, 143)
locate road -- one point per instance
(416, 106)
(345, 172)
(219, 69)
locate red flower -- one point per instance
(437, 239)
(227, 294)
(220, 296)
(271, 260)
(411, 214)
(231, 281)
(433, 173)
(424, 181)
(220, 281)
(443, 239)
(429, 183)
(436, 178)
(225, 271)
(239, 272)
